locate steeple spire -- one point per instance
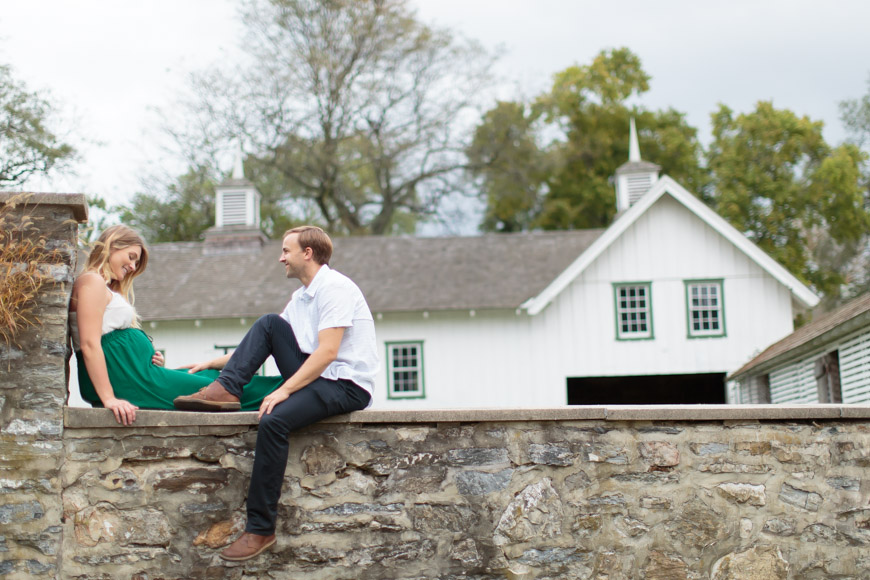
(239, 168)
(636, 177)
(633, 147)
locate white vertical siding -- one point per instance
(665, 247)
(743, 392)
(855, 369)
(485, 360)
(794, 383)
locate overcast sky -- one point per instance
(111, 63)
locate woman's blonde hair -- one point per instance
(112, 239)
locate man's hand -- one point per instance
(158, 359)
(329, 341)
(125, 412)
(271, 400)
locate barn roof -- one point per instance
(494, 271)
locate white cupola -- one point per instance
(238, 201)
(636, 177)
(237, 215)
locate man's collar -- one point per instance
(310, 290)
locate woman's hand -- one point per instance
(125, 412)
(158, 359)
(216, 363)
(195, 368)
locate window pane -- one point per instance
(404, 363)
(705, 308)
(632, 311)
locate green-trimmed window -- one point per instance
(633, 311)
(226, 348)
(405, 370)
(705, 307)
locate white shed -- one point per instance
(825, 361)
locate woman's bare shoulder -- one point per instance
(90, 279)
(91, 283)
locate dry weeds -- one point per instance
(24, 268)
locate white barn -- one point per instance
(658, 307)
(825, 361)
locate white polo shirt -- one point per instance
(333, 300)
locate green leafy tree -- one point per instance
(183, 214)
(566, 182)
(28, 144)
(504, 155)
(778, 181)
(361, 109)
(855, 114)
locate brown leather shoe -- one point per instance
(214, 397)
(247, 546)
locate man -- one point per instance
(324, 346)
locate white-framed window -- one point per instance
(633, 310)
(405, 370)
(705, 308)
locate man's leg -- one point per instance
(272, 336)
(320, 399)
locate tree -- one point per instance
(855, 114)
(182, 215)
(777, 181)
(510, 165)
(354, 105)
(565, 184)
(27, 144)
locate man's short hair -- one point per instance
(316, 239)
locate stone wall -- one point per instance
(589, 493)
(32, 394)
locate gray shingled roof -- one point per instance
(832, 326)
(494, 271)
(637, 167)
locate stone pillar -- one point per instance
(33, 387)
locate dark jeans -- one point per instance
(272, 335)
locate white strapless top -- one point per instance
(119, 314)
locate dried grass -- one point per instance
(24, 268)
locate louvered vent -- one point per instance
(637, 186)
(855, 369)
(234, 208)
(795, 384)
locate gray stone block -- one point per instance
(482, 483)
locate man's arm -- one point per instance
(328, 341)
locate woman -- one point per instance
(117, 365)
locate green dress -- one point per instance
(135, 379)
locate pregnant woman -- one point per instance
(118, 367)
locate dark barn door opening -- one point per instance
(707, 388)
